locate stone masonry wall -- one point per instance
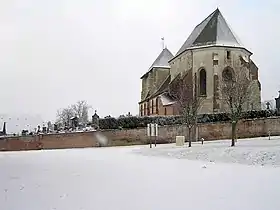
(202, 58)
(50, 141)
(211, 131)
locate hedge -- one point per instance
(138, 122)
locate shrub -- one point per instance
(140, 122)
(108, 123)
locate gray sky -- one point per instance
(55, 52)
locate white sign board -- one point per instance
(148, 130)
(152, 129)
(156, 129)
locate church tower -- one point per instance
(153, 82)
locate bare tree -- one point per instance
(184, 91)
(80, 110)
(64, 116)
(236, 91)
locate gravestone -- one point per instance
(55, 127)
(44, 129)
(49, 127)
(74, 122)
(267, 105)
(38, 129)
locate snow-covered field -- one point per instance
(140, 178)
(256, 151)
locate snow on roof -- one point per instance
(168, 67)
(166, 100)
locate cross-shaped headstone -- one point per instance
(267, 105)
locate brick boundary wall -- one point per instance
(209, 131)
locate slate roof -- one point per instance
(161, 60)
(213, 30)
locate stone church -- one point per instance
(210, 50)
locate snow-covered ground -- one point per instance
(124, 179)
(256, 151)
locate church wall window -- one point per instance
(145, 109)
(152, 106)
(141, 110)
(157, 105)
(228, 54)
(215, 59)
(202, 82)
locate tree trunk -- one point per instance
(190, 137)
(233, 133)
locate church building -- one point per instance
(210, 51)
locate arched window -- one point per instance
(141, 110)
(227, 74)
(157, 105)
(145, 109)
(202, 82)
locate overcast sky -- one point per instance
(55, 52)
